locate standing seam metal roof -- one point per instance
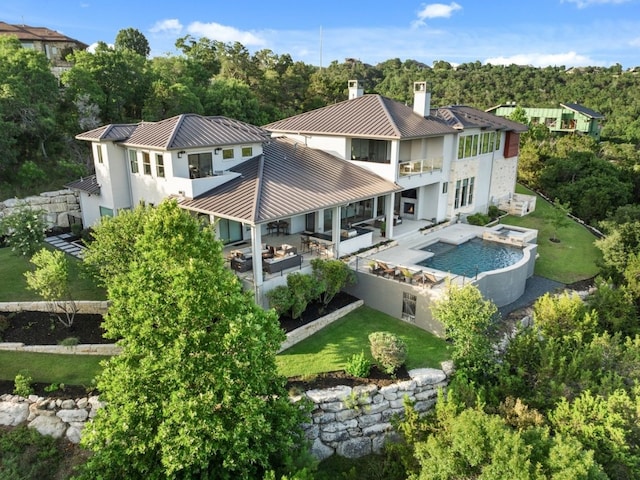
(461, 117)
(371, 116)
(180, 132)
(289, 179)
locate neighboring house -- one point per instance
(364, 159)
(54, 45)
(569, 118)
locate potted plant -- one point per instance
(383, 229)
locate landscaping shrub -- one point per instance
(24, 230)
(22, 385)
(358, 365)
(493, 212)
(388, 350)
(478, 219)
(70, 341)
(280, 299)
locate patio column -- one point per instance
(335, 231)
(388, 214)
(256, 252)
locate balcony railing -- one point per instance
(415, 167)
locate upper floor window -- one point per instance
(99, 150)
(159, 165)
(200, 165)
(366, 150)
(247, 151)
(146, 163)
(227, 153)
(133, 161)
(478, 144)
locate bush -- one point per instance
(388, 350)
(22, 385)
(494, 212)
(70, 341)
(358, 365)
(24, 230)
(478, 219)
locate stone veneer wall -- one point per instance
(353, 422)
(350, 422)
(57, 205)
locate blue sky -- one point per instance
(524, 32)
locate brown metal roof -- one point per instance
(43, 34)
(289, 179)
(461, 117)
(372, 116)
(87, 184)
(179, 132)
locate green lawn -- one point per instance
(51, 368)
(13, 286)
(330, 348)
(572, 259)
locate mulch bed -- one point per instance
(41, 328)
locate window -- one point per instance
(106, 212)
(445, 187)
(246, 151)
(367, 150)
(146, 163)
(464, 192)
(133, 161)
(479, 144)
(99, 150)
(159, 165)
(409, 307)
(200, 165)
(227, 153)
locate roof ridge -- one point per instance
(174, 131)
(258, 195)
(390, 118)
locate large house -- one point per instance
(54, 45)
(568, 118)
(367, 161)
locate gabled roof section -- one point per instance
(289, 179)
(461, 117)
(180, 132)
(87, 184)
(583, 110)
(43, 34)
(113, 132)
(371, 116)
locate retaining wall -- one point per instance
(58, 206)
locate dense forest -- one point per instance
(40, 115)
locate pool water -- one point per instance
(472, 257)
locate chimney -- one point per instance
(355, 89)
(421, 99)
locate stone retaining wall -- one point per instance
(353, 422)
(309, 329)
(58, 206)
(84, 306)
(350, 422)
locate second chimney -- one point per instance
(355, 89)
(421, 99)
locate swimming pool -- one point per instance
(472, 257)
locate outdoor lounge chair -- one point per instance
(432, 280)
(386, 270)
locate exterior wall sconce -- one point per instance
(217, 151)
(180, 153)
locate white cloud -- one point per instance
(222, 33)
(588, 3)
(435, 10)
(92, 48)
(543, 59)
(170, 25)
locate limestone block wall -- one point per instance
(353, 422)
(57, 205)
(350, 422)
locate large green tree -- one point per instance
(195, 392)
(134, 40)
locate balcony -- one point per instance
(417, 167)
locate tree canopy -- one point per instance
(195, 391)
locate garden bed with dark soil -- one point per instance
(42, 328)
